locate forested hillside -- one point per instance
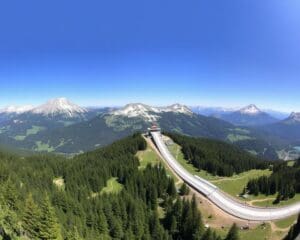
(285, 181)
(217, 157)
(50, 197)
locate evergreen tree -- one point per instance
(116, 228)
(49, 226)
(31, 218)
(74, 235)
(208, 235)
(278, 198)
(171, 190)
(173, 226)
(184, 189)
(102, 224)
(233, 233)
(9, 228)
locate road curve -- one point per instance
(219, 198)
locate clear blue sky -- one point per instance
(227, 53)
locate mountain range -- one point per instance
(248, 116)
(62, 126)
(219, 111)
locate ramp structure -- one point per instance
(216, 196)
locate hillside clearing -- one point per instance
(112, 187)
(59, 183)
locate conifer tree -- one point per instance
(31, 218)
(102, 224)
(8, 223)
(49, 227)
(208, 235)
(184, 189)
(73, 234)
(233, 233)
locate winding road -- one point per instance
(219, 198)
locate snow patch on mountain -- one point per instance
(59, 106)
(250, 110)
(149, 113)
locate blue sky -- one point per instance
(216, 52)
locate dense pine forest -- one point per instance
(217, 157)
(33, 207)
(284, 180)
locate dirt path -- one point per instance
(276, 228)
(226, 179)
(277, 232)
(259, 200)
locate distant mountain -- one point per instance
(288, 131)
(219, 111)
(211, 111)
(112, 125)
(19, 124)
(293, 119)
(276, 114)
(62, 126)
(249, 116)
(59, 107)
(148, 113)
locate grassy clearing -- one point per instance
(4, 129)
(241, 130)
(59, 183)
(67, 123)
(34, 130)
(112, 187)
(43, 147)
(175, 150)
(285, 223)
(147, 157)
(237, 137)
(234, 185)
(261, 232)
(19, 137)
(291, 163)
(269, 202)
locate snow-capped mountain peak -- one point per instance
(16, 109)
(295, 117)
(59, 106)
(250, 110)
(149, 113)
(138, 110)
(177, 108)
